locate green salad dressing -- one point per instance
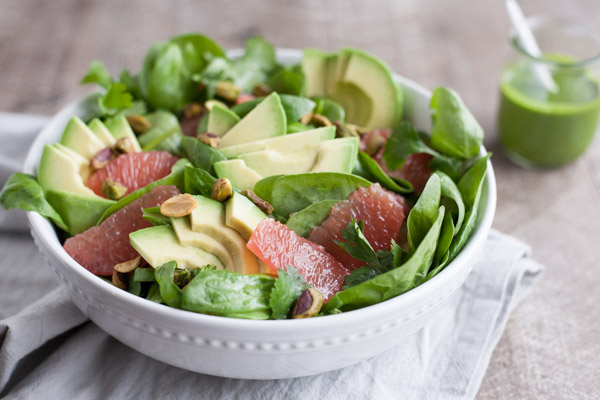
(545, 129)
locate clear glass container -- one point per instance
(542, 126)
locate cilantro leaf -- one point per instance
(98, 74)
(356, 244)
(115, 100)
(286, 290)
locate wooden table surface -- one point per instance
(551, 345)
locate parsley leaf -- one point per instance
(286, 290)
(404, 141)
(97, 73)
(359, 276)
(115, 100)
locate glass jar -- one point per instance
(541, 125)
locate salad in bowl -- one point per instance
(247, 188)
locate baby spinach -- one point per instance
(404, 141)
(264, 187)
(451, 192)
(305, 220)
(287, 288)
(165, 133)
(153, 215)
(176, 178)
(424, 212)
(170, 293)
(23, 191)
(292, 193)
(288, 80)
(377, 174)
(201, 155)
(198, 181)
(330, 109)
(455, 131)
(154, 293)
(392, 283)
(144, 275)
(226, 293)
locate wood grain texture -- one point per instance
(550, 347)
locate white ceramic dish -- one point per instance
(256, 349)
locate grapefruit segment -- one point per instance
(134, 170)
(279, 247)
(415, 169)
(99, 248)
(382, 211)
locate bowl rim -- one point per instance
(475, 242)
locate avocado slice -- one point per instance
(102, 132)
(79, 212)
(337, 155)
(82, 163)
(271, 162)
(78, 137)
(239, 174)
(58, 171)
(120, 128)
(242, 215)
(282, 144)
(360, 82)
(187, 237)
(209, 218)
(159, 245)
(264, 121)
(221, 119)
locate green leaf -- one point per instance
(305, 220)
(394, 282)
(287, 288)
(450, 191)
(198, 181)
(330, 109)
(292, 193)
(169, 291)
(455, 131)
(144, 275)
(174, 178)
(165, 133)
(359, 276)
(374, 170)
(23, 191)
(264, 187)
(98, 74)
(288, 80)
(424, 212)
(115, 99)
(154, 293)
(255, 65)
(153, 215)
(201, 155)
(229, 294)
(404, 141)
(133, 86)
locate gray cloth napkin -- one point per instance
(48, 350)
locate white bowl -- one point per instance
(248, 349)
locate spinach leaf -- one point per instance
(264, 187)
(198, 181)
(373, 169)
(77, 211)
(455, 131)
(451, 166)
(98, 74)
(287, 288)
(359, 276)
(169, 291)
(451, 191)
(288, 80)
(424, 212)
(391, 283)
(295, 127)
(295, 107)
(446, 234)
(201, 155)
(23, 191)
(330, 109)
(133, 86)
(404, 141)
(135, 287)
(153, 215)
(176, 178)
(292, 193)
(471, 186)
(229, 294)
(305, 220)
(144, 275)
(154, 293)
(165, 133)
(115, 100)
(255, 65)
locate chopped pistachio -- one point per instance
(228, 90)
(124, 145)
(375, 142)
(138, 123)
(261, 90)
(308, 305)
(178, 206)
(264, 205)
(113, 190)
(192, 110)
(128, 266)
(320, 120)
(344, 130)
(305, 120)
(221, 190)
(119, 279)
(210, 139)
